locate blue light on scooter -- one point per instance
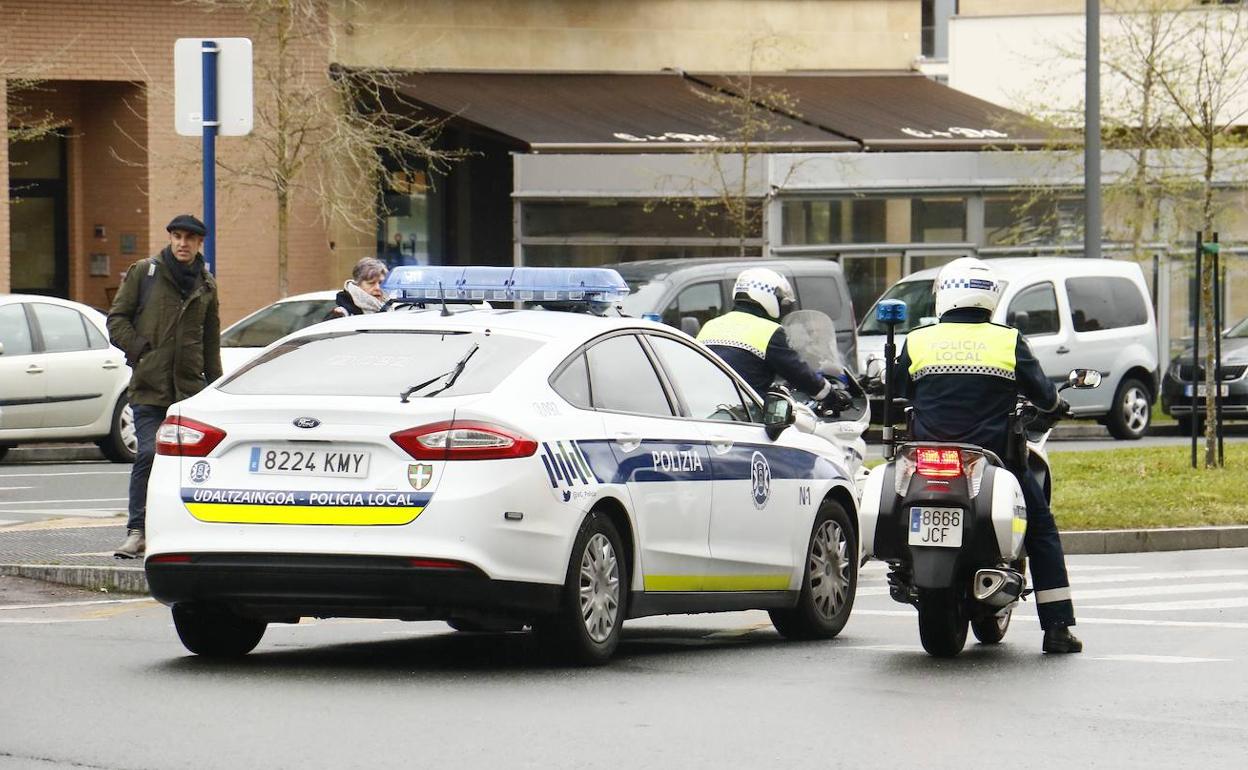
(890, 311)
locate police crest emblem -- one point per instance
(419, 475)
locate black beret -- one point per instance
(188, 223)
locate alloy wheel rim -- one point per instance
(599, 588)
(829, 569)
(128, 438)
(1135, 409)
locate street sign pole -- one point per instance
(209, 52)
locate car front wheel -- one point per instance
(586, 628)
(829, 580)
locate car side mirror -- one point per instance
(777, 414)
(1020, 320)
(690, 325)
(1083, 379)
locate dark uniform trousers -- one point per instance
(963, 376)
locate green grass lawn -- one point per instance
(1148, 487)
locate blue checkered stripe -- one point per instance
(969, 283)
(754, 285)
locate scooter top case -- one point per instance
(961, 512)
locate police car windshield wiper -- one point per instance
(450, 376)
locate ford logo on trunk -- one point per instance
(306, 422)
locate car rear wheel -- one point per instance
(1131, 412)
(586, 628)
(829, 580)
(122, 443)
(215, 632)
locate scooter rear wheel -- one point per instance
(942, 625)
(991, 630)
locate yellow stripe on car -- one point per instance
(716, 582)
(358, 516)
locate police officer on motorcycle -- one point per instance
(751, 340)
(963, 376)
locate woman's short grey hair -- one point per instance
(369, 269)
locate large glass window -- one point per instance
(62, 328)
(14, 331)
(1034, 311)
(623, 379)
(374, 362)
(938, 220)
(843, 220)
(819, 293)
(1021, 220)
(274, 322)
(868, 277)
(702, 301)
(919, 301)
(1103, 303)
(404, 232)
(573, 383)
(709, 393)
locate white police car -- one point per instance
(493, 467)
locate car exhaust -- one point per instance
(997, 587)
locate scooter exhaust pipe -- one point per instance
(997, 587)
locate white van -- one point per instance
(1076, 313)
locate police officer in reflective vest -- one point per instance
(753, 343)
(963, 377)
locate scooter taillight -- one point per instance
(938, 462)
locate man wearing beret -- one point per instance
(165, 317)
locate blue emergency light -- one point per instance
(593, 287)
(890, 311)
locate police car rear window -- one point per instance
(373, 362)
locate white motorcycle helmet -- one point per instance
(967, 282)
(766, 288)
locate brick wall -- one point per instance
(117, 56)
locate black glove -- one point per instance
(839, 399)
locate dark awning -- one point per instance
(899, 111)
(674, 112)
(572, 112)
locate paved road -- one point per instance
(1162, 684)
(42, 491)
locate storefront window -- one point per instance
(837, 220)
(938, 220)
(404, 233)
(1019, 220)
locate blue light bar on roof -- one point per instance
(506, 284)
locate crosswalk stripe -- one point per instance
(1158, 659)
(1190, 604)
(1199, 574)
(1028, 618)
(1154, 590)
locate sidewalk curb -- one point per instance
(52, 453)
(1147, 540)
(128, 580)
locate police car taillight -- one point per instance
(459, 440)
(938, 462)
(184, 437)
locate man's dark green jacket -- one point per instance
(174, 343)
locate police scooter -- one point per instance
(949, 518)
(812, 335)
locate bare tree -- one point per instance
(1208, 87)
(332, 135)
(750, 115)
